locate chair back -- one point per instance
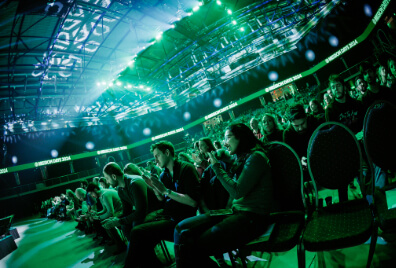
(334, 156)
(287, 176)
(379, 139)
(5, 225)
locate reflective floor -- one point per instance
(48, 243)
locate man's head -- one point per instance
(94, 190)
(206, 146)
(112, 171)
(84, 184)
(368, 72)
(337, 87)
(254, 123)
(163, 153)
(81, 194)
(132, 169)
(361, 85)
(298, 118)
(392, 66)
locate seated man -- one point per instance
(178, 189)
(112, 207)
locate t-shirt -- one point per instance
(350, 114)
(111, 202)
(185, 181)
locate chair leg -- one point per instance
(165, 251)
(301, 255)
(373, 244)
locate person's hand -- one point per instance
(212, 158)
(111, 223)
(304, 162)
(158, 185)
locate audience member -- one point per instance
(271, 130)
(250, 185)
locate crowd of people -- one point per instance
(216, 195)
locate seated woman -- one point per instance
(316, 109)
(249, 183)
(271, 130)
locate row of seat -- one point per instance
(334, 160)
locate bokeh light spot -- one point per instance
(217, 102)
(14, 159)
(187, 116)
(90, 145)
(367, 10)
(333, 41)
(273, 76)
(310, 55)
(146, 131)
(54, 153)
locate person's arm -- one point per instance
(139, 195)
(254, 168)
(190, 178)
(107, 202)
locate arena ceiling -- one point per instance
(71, 63)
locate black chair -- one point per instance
(380, 147)
(287, 175)
(334, 160)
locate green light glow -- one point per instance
(229, 11)
(255, 95)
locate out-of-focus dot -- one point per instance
(14, 159)
(187, 116)
(273, 76)
(333, 41)
(146, 131)
(54, 153)
(217, 102)
(367, 10)
(90, 145)
(310, 55)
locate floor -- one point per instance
(49, 243)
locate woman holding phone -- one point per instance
(249, 184)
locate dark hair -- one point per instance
(163, 146)
(274, 120)
(217, 143)
(320, 108)
(113, 168)
(209, 143)
(247, 140)
(84, 182)
(186, 156)
(92, 187)
(132, 169)
(296, 111)
(364, 66)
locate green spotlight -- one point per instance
(242, 29)
(234, 22)
(229, 11)
(196, 8)
(219, 3)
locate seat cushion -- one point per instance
(339, 226)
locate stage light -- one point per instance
(90, 145)
(141, 86)
(229, 11)
(189, 13)
(131, 62)
(172, 26)
(14, 159)
(333, 41)
(200, 3)
(219, 3)
(217, 102)
(310, 55)
(98, 84)
(148, 89)
(54, 153)
(44, 123)
(187, 116)
(273, 76)
(159, 36)
(234, 22)
(146, 131)
(196, 8)
(104, 83)
(110, 84)
(242, 29)
(129, 86)
(119, 83)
